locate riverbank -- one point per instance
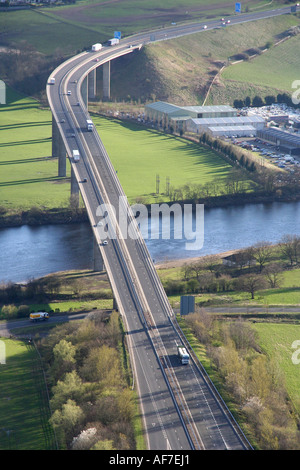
(179, 263)
(37, 216)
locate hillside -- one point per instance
(181, 70)
(269, 73)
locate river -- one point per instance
(30, 252)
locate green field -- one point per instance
(77, 26)
(131, 16)
(287, 294)
(74, 305)
(23, 408)
(28, 173)
(45, 32)
(276, 68)
(138, 155)
(276, 340)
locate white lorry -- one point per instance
(183, 355)
(52, 81)
(76, 155)
(89, 124)
(39, 316)
(96, 47)
(113, 41)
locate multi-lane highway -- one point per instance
(180, 408)
(179, 30)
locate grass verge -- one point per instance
(277, 339)
(24, 410)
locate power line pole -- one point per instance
(157, 184)
(167, 185)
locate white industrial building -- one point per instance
(238, 125)
(230, 131)
(221, 120)
(166, 114)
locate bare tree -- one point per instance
(262, 253)
(244, 257)
(290, 248)
(196, 268)
(186, 272)
(273, 273)
(251, 283)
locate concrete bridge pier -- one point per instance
(98, 260)
(92, 85)
(106, 81)
(89, 87)
(74, 189)
(84, 91)
(58, 149)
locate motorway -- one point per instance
(180, 408)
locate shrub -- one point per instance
(9, 311)
(23, 311)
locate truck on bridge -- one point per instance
(96, 47)
(113, 41)
(76, 155)
(90, 125)
(183, 355)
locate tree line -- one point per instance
(255, 268)
(254, 382)
(91, 403)
(258, 101)
(263, 183)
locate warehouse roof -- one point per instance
(209, 109)
(292, 139)
(232, 128)
(180, 118)
(168, 108)
(163, 107)
(227, 120)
